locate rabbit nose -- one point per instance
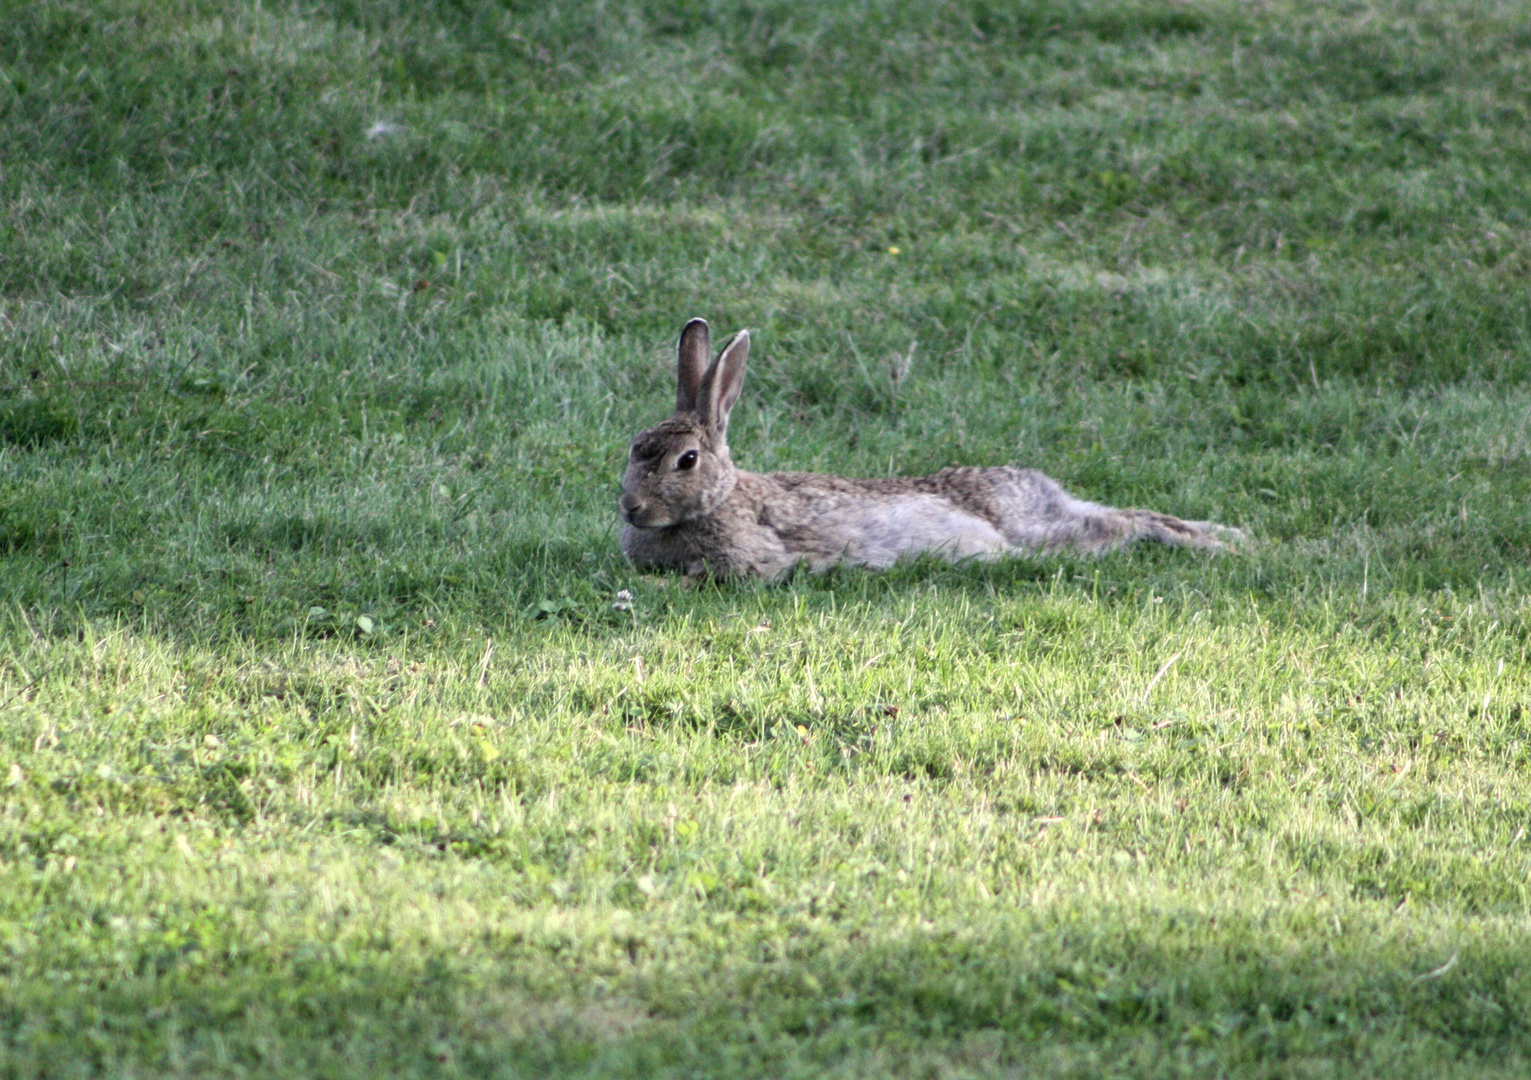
(629, 503)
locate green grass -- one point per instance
(324, 750)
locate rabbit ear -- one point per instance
(723, 381)
(695, 345)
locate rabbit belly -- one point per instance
(900, 528)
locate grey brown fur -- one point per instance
(687, 507)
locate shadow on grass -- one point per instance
(1182, 992)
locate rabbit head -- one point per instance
(679, 469)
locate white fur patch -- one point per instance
(888, 531)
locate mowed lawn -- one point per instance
(330, 747)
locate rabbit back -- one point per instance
(824, 520)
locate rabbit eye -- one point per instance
(686, 460)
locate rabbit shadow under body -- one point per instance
(686, 507)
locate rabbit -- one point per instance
(686, 507)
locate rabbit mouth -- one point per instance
(644, 519)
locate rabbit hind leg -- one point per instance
(1035, 512)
